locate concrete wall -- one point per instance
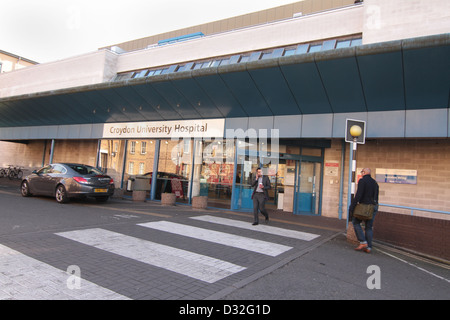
(86, 69)
(35, 153)
(386, 20)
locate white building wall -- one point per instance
(87, 69)
(387, 20)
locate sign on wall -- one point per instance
(204, 128)
(401, 176)
(331, 168)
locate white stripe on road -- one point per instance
(231, 240)
(184, 262)
(24, 278)
(260, 228)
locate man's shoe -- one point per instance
(255, 223)
(362, 246)
(367, 250)
(267, 220)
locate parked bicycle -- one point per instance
(12, 172)
(2, 172)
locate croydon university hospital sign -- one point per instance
(204, 128)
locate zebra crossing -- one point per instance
(22, 277)
(263, 247)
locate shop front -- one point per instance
(205, 163)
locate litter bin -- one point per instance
(140, 186)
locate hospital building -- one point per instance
(202, 107)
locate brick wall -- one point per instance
(430, 157)
(421, 234)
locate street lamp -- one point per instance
(354, 134)
(355, 131)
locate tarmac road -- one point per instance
(114, 246)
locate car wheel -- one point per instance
(25, 189)
(61, 194)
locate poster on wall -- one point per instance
(398, 176)
(332, 168)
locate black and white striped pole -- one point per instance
(355, 133)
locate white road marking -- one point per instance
(413, 265)
(264, 247)
(259, 228)
(25, 278)
(180, 261)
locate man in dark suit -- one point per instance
(260, 194)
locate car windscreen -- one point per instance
(85, 170)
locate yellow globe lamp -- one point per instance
(355, 131)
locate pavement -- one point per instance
(145, 251)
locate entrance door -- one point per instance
(307, 188)
(295, 184)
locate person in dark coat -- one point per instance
(367, 193)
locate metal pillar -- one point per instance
(155, 170)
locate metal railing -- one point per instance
(413, 208)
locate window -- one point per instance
(224, 62)
(186, 146)
(207, 64)
(58, 169)
(244, 59)
(315, 48)
(139, 74)
(131, 167)
(141, 168)
(143, 147)
(356, 42)
(289, 52)
(329, 45)
(198, 65)
(132, 147)
(343, 44)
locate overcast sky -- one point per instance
(49, 30)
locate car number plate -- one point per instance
(100, 190)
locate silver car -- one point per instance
(68, 180)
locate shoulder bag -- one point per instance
(364, 211)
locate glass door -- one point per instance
(307, 188)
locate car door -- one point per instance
(39, 181)
(54, 177)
